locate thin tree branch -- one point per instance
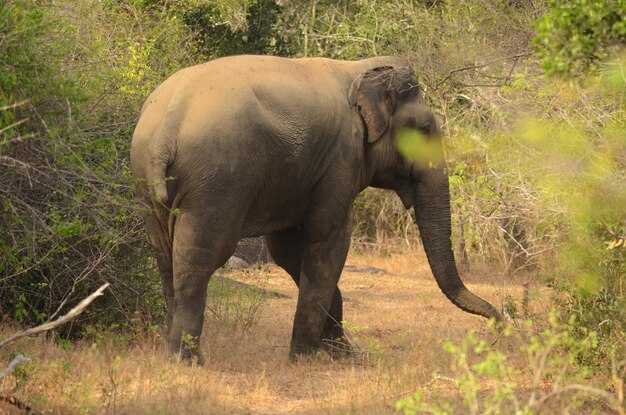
(15, 124)
(14, 105)
(72, 314)
(467, 68)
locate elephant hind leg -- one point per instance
(201, 245)
(163, 251)
(322, 263)
(286, 248)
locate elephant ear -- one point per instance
(371, 94)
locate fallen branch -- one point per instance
(16, 361)
(72, 314)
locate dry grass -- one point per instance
(399, 321)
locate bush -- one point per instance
(255, 32)
(576, 36)
(379, 218)
(67, 214)
(551, 379)
(234, 307)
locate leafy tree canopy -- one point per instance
(576, 35)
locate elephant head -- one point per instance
(388, 100)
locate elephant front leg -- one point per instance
(322, 263)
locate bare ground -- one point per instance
(398, 321)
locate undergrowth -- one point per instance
(552, 378)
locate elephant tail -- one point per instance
(158, 187)
(162, 156)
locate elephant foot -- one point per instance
(337, 347)
(186, 350)
(190, 358)
(299, 350)
(335, 343)
(198, 359)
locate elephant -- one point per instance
(246, 146)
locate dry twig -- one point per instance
(16, 361)
(516, 58)
(72, 314)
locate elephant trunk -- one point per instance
(432, 211)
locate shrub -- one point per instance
(218, 31)
(576, 36)
(550, 380)
(234, 307)
(67, 217)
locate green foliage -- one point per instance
(26, 69)
(547, 194)
(584, 176)
(554, 379)
(216, 31)
(66, 217)
(429, 33)
(379, 218)
(233, 306)
(126, 49)
(189, 342)
(576, 36)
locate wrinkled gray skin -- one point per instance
(256, 145)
